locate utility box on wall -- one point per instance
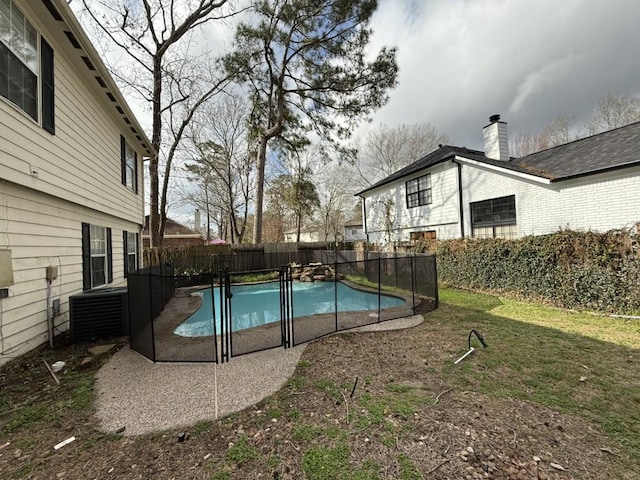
(6, 269)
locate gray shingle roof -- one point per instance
(445, 152)
(605, 151)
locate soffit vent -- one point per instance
(88, 63)
(72, 39)
(52, 10)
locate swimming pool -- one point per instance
(259, 304)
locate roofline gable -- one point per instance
(500, 169)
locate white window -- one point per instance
(98, 255)
(132, 252)
(18, 59)
(130, 168)
(129, 161)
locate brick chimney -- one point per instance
(496, 143)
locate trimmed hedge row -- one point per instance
(581, 270)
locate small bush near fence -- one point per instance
(582, 270)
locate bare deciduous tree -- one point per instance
(336, 200)
(221, 161)
(613, 111)
(155, 35)
(386, 150)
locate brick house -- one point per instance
(175, 235)
(454, 192)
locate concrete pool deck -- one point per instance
(143, 397)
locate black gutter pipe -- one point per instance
(460, 196)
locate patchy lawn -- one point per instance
(556, 395)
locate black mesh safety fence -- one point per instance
(256, 312)
(211, 316)
(187, 328)
(140, 313)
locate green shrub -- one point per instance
(582, 270)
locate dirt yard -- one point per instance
(408, 417)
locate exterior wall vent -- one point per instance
(100, 313)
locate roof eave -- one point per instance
(595, 172)
(389, 179)
(72, 22)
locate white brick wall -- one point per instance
(598, 202)
(441, 215)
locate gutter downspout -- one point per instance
(460, 196)
(364, 216)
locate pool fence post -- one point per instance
(227, 305)
(413, 286)
(289, 302)
(222, 319)
(379, 283)
(213, 312)
(150, 316)
(335, 290)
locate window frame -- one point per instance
(98, 237)
(418, 191)
(130, 249)
(129, 165)
(34, 59)
(90, 232)
(494, 216)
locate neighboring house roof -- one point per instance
(173, 229)
(308, 229)
(609, 150)
(62, 23)
(354, 222)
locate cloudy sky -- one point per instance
(528, 60)
(464, 60)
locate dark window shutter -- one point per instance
(48, 97)
(126, 253)
(135, 172)
(137, 251)
(123, 161)
(109, 258)
(86, 257)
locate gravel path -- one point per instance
(144, 397)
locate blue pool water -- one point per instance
(259, 304)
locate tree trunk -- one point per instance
(154, 215)
(261, 160)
